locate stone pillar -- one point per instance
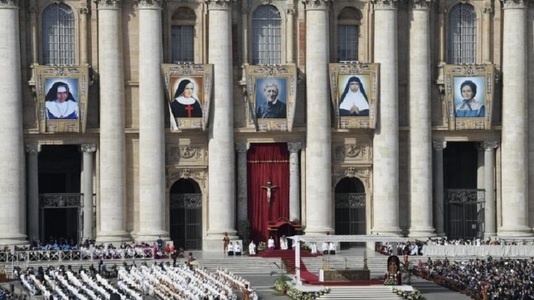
(318, 135)
(290, 33)
(487, 33)
(34, 12)
(490, 228)
(84, 11)
(242, 192)
(221, 205)
(151, 127)
(386, 139)
(294, 180)
(112, 208)
(88, 151)
(439, 210)
(12, 194)
(420, 121)
(33, 190)
(515, 121)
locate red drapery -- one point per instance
(267, 163)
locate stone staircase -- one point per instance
(361, 292)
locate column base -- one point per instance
(16, 239)
(391, 231)
(151, 236)
(488, 235)
(213, 242)
(113, 237)
(422, 232)
(518, 231)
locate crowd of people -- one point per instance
(490, 278)
(162, 281)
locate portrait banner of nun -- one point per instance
(469, 92)
(62, 94)
(189, 93)
(354, 88)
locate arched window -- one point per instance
(58, 35)
(348, 32)
(183, 35)
(462, 35)
(266, 36)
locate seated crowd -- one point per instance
(502, 278)
(159, 280)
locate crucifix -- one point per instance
(269, 187)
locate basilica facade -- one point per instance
(129, 120)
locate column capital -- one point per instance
(151, 4)
(219, 4)
(385, 4)
(9, 3)
(515, 3)
(242, 147)
(294, 147)
(33, 149)
(317, 4)
(88, 148)
(489, 145)
(108, 4)
(439, 145)
(421, 4)
(84, 10)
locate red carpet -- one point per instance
(308, 277)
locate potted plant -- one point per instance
(281, 282)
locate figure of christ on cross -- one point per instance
(269, 187)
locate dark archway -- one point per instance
(186, 214)
(350, 209)
(60, 200)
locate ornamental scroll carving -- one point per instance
(198, 175)
(149, 3)
(421, 4)
(186, 152)
(317, 4)
(385, 4)
(353, 152)
(515, 3)
(108, 3)
(9, 3)
(219, 3)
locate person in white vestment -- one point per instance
(324, 247)
(252, 248)
(237, 248)
(353, 101)
(231, 249)
(270, 243)
(60, 103)
(283, 243)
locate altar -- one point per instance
(344, 275)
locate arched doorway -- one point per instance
(186, 214)
(350, 209)
(60, 200)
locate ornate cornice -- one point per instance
(385, 4)
(108, 3)
(219, 4)
(9, 3)
(150, 3)
(317, 4)
(242, 147)
(421, 4)
(88, 148)
(490, 145)
(33, 149)
(294, 147)
(439, 145)
(515, 3)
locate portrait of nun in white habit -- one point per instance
(353, 101)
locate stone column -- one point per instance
(84, 11)
(112, 208)
(420, 121)
(33, 190)
(12, 194)
(490, 228)
(515, 121)
(487, 33)
(34, 12)
(294, 180)
(439, 210)
(221, 187)
(318, 135)
(290, 33)
(88, 151)
(386, 139)
(151, 127)
(242, 192)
